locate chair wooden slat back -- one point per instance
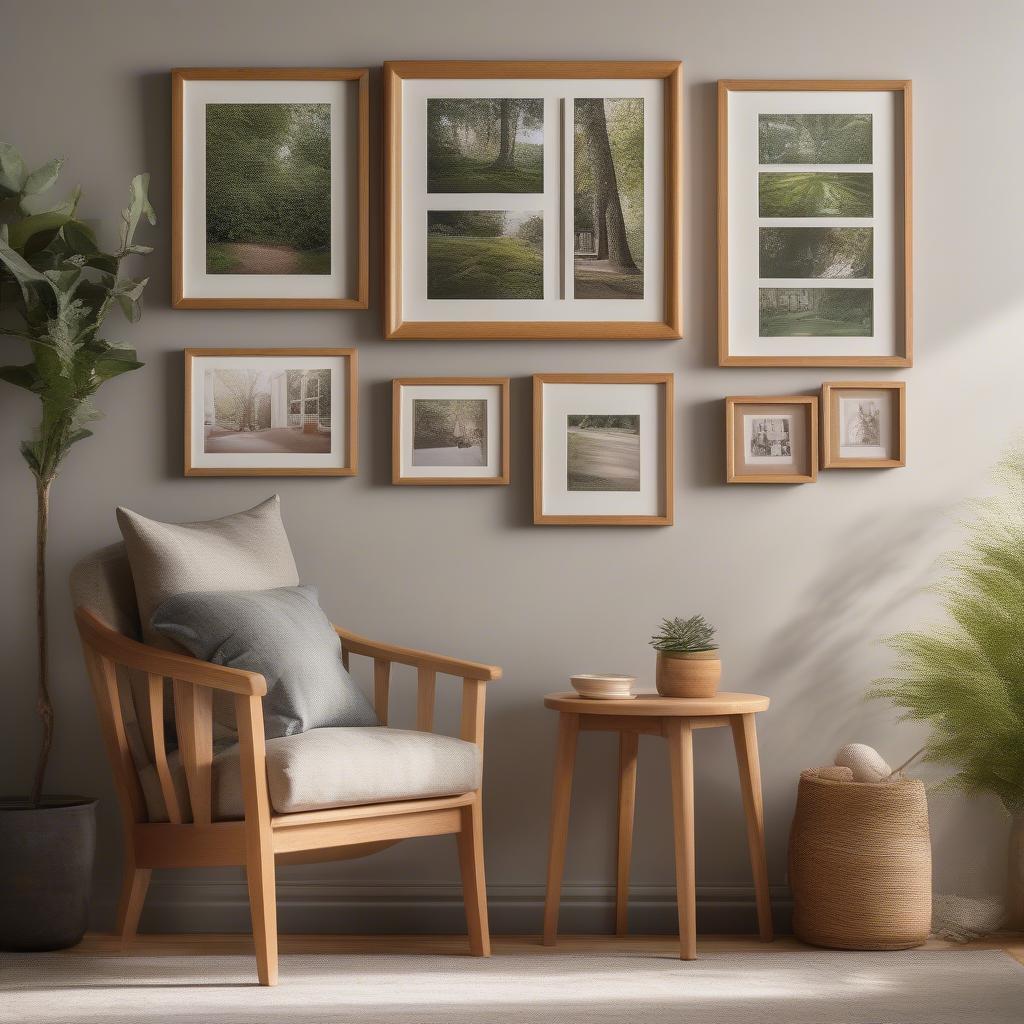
(156, 731)
(193, 719)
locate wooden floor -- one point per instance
(183, 945)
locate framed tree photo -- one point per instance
(603, 449)
(270, 411)
(270, 188)
(814, 223)
(533, 199)
(863, 424)
(771, 440)
(450, 430)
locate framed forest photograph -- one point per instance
(532, 199)
(450, 430)
(771, 439)
(863, 424)
(603, 449)
(814, 223)
(270, 188)
(270, 412)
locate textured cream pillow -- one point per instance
(245, 551)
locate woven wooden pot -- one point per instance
(860, 866)
(688, 673)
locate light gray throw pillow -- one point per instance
(282, 634)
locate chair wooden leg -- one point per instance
(744, 735)
(680, 746)
(568, 731)
(628, 742)
(474, 885)
(259, 843)
(133, 895)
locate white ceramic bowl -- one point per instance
(604, 687)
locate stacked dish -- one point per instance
(604, 687)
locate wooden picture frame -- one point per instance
(659, 413)
(232, 457)
(554, 319)
(804, 443)
(403, 473)
(190, 287)
(832, 423)
(893, 295)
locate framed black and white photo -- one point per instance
(450, 430)
(814, 223)
(863, 424)
(270, 188)
(603, 449)
(771, 440)
(270, 412)
(532, 199)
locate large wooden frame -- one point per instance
(179, 77)
(351, 466)
(810, 402)
(265, 838)
(906, 181)
(830, 457)
(667, 381)
(395, 325)
(396, 431)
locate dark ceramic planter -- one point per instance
(46, 858)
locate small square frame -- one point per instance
(830, 392)
(502, 383)
(810, 404)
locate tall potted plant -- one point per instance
(966, 677)
(56, 288)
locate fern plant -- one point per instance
(966, 677)
(60, 286)
(692, 634)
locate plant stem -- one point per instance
(44, 705)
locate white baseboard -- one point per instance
(383, 908)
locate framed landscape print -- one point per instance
(450, 430)
(814, 223)
(270, 411)
(603, 449)
(270, 188)
(771, 440)
(532, 199)
(863, 424)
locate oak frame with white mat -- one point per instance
(494, 469)
(892, 447)
(557, 315)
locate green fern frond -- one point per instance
(966, 677)
(692, 634)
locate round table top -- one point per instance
(656, 706)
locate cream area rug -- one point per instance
(813, 987)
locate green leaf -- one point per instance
(43, 177)
(128, 294)
(12, 169)
(22, 270)
(30, 453)
(23, 230)
(116, 361)
(63, 280)
(137, 207)
(26, 377)
(80, 237)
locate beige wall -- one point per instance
(802, 581)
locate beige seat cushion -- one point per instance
(343, 767)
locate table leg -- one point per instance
(565, 757)
(744, 736)
(680, 747)
(628, 742)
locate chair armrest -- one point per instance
(418, 659)
(123, 651)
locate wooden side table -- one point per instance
(675, 719)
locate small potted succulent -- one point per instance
(688, 663)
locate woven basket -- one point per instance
(860, 862)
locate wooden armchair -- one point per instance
(264, 838)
